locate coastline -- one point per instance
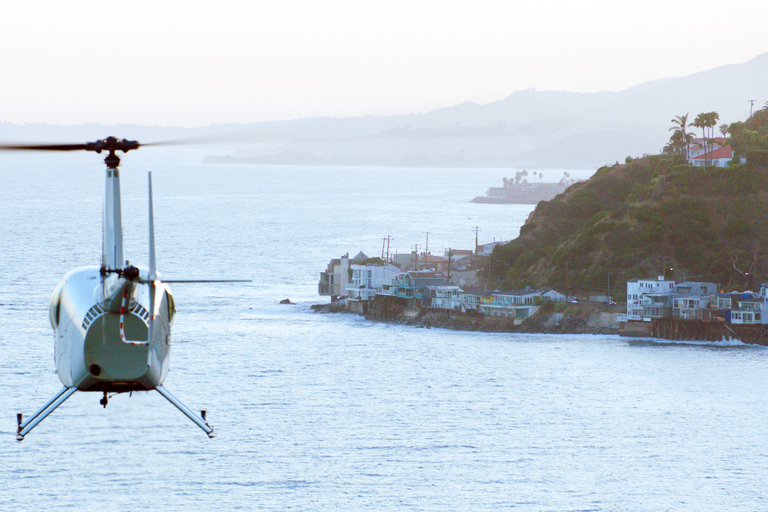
(576, 319)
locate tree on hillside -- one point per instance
(677, 144)
(679, 124)
(750, 135)
(706, 120)
(712, 118)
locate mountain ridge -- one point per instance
(526, 128)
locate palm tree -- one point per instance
(711, 119)
(699, 122)
(724, 129)
(675, 143)
(680, 123)
(704, 121)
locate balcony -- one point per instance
(688, 313)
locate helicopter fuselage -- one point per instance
(112, 323)
(101, 330)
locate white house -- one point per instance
(366, 282)
(718, 153)
(690, 299)
(487, 249)
(554, 296)
(686, 300)
(517, 304)
(334, 281)
(750, 309)
(636, 288)
(448, 297)
(472, 300)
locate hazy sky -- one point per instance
(194, 63)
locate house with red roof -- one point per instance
(716, 152)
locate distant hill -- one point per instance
(527, 129)
(534, 129)
(643, 219)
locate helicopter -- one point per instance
(112, 323)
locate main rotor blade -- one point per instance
(192, 141)
(115, 144)
(43, 147)
(110, 144)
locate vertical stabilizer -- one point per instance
(152, 263)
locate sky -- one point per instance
(195, 63)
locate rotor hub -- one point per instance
(112, 144)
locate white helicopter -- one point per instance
(112, 324)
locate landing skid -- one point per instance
(198, 420)
(24, 427)
(50, 406)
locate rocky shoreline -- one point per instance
(574, 319)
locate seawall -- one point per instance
(584, 319)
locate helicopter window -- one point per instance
(171, 306)
(55, 307)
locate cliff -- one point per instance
(644, 218)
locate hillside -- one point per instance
(642, 219)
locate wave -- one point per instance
(723, 343)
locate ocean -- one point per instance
(330, 411)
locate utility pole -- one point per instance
(426, 250)
(385, 241)
(450, 252)
(477, 229)
(751, 104)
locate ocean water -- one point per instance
(331, 412)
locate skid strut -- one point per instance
(198, 420)
(25, 426)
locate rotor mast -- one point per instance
(113, 260)
(113, 225)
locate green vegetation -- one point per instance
(370, 261)
(642, 219)
(750, 138)
(707, 122)
(681, 140)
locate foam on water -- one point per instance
(724, 343)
